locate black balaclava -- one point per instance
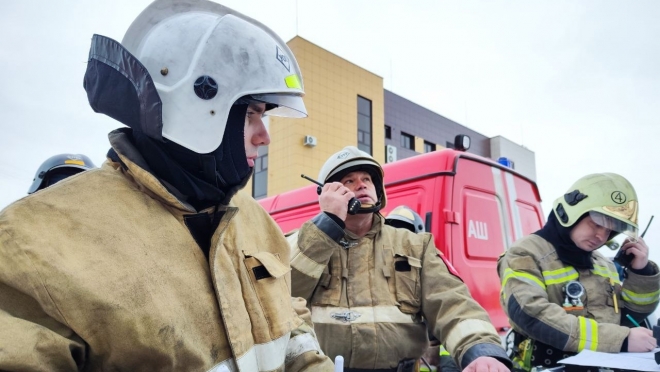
(560, 237)
(202, 180)
(205, 180)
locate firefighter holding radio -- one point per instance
(370, 285)
(562, 296)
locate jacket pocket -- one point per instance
(407, 282)
(328, 292)
(268, 279)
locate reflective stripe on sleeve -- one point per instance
(262, 357)
(560, 276)
(301, 344)
(359, 314)
(588, 335)
(225, 366)
(640, 298)
(443, 351)
(606, 273)
(306, 265)
(467, 328)
(526, 277)
(271, 355)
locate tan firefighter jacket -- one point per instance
(99, 273)
(368, 296)
(533, 279)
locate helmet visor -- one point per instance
(614, 224)
(286, 105)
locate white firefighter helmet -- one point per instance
(351, 159)
(203, 57)
(609, 198)
(404, 217)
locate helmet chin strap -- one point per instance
(373, 208)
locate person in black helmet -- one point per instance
(58, 167)
(155, 261)
(404, 217)
(370, 285)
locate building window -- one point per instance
(428, 146)
(407, 141)
(364, 124)
(388, 132)
(260, 179)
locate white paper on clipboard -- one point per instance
(631, 361)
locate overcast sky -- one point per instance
(577, 82)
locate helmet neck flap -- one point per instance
(204, 180)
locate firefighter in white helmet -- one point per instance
(154, 262)
(562, 296)
(369, 285)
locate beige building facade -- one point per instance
(346, 105)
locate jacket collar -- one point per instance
(133, 164)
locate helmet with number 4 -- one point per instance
(608, 198)
(351, 159)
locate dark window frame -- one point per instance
(364, 137)
(429, 147)
(407, 141)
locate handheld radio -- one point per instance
(353, 204)
(624, 259)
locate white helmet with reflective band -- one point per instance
(202, 58)
(351, 159)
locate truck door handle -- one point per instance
(452, 217)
